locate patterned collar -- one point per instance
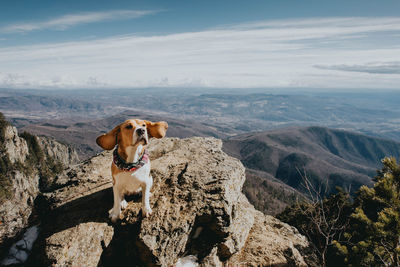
(130, 167)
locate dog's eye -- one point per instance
(144, 125)
(128, 127)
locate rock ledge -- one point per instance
(199, 213)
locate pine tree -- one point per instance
(373, 237)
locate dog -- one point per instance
(130, 168)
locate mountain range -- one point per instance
(326, 157)
(231, 111)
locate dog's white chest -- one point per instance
(131, 182)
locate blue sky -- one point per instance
(284, 43)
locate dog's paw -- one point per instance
(124, 204)
(146, 212)
(114, 217)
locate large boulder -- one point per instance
(199, 216)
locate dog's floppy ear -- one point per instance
(156, 129)
(108, 140)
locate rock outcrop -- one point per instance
(199, 216)
(15, 147)
(22, 179)
(58, 151)
(23, 188)
(274, 243)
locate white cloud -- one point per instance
(371, 67)
(281, 53)
(70, 20)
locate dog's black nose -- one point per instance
(140, 131)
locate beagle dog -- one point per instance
(130, 168)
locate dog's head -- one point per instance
(131, 133)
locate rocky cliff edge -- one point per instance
(22, 179)
(200, 217)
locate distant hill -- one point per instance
(336, 157)
(232, 111)
(82, 135)
(37, 106)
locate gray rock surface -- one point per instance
(72, 246)
(58, 151)
(274, 243)
(199, 213)
(16, 210)
(16, 147)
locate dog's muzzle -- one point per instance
(140, 132)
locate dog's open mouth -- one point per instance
(143, 140)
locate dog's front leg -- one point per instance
(146, 210)
(116, 210)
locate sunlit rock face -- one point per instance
(200, 217)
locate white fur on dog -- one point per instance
(132, 182)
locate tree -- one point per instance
(363, 233)
(373, 238)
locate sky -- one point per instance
(52, 44)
